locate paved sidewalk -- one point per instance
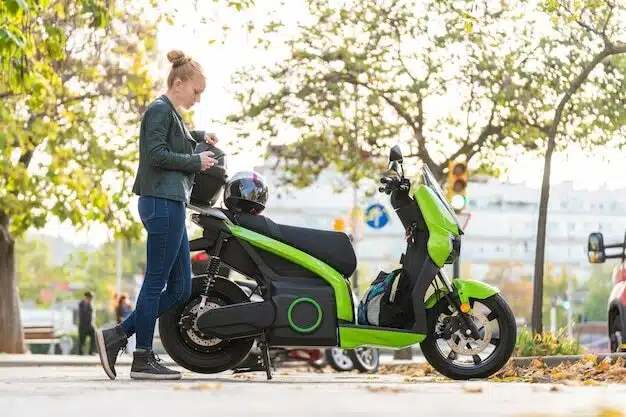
(83, 391)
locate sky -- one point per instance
(191, 33)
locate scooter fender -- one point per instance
(467, 289)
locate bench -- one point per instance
(41, 335)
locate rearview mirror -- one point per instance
(395, 154)
(595, 248)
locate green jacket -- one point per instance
(167, 163)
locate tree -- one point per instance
(64, 141)
(372, 73)
(594, 113)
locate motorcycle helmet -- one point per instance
(246, 192)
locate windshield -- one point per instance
(429, 181)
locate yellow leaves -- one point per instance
(610, 412)
(585, 372)
(416, 371)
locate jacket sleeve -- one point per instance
(198, 135)
(157, 122)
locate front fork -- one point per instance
(455, 301)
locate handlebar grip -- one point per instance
(385, 180)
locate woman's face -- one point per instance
(188, 92)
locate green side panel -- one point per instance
(354, 337)
(334, 278)
(440, 224)
(473, 289)
(438, 295)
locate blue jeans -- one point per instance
(168, 262)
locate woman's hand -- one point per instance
(210, 138)
(206, 161)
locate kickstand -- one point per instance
(265, 354)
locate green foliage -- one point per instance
(68, 122)
(546, 344)
(372, 74)
(94, 271)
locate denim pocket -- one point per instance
(151, 207)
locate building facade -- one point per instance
(502, 227)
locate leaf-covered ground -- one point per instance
(587, 371)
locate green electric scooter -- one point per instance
(303, 298)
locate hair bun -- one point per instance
(177, 57)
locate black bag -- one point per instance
(386, 301)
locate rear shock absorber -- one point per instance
(212, 269)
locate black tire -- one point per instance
(226, 355)
(341, 364)
(486, 368)
(367, 364)
(616, 333)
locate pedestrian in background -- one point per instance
(85, 324)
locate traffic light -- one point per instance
(339, 224)
(457, 185)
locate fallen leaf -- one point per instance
(205, 387)
(243, 376)
(472, 389)
(610, 412)
(554, 388)
(369, 378)
(593, 382)
(393, 390)
(410, 379)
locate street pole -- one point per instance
(118, 261)
(553, 317)
(570, 330)
(355, 280)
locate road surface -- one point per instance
(86, 391)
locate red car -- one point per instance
(596, 252)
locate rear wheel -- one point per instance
(456, 355)
(616, 333)
(194, 350)
(365, 359)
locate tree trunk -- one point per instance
(11, 333)
(537, 313)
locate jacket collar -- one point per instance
(168, 101)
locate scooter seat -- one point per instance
(333, 248)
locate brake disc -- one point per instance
(461, 346)
(194, 333)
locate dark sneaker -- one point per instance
(110, 342)
(146, 366)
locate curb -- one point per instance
(526, 361)
(10, 360)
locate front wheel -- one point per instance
(339, 359)
(616, 334)
(453, 353)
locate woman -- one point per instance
(164, 181)
(123, 309)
